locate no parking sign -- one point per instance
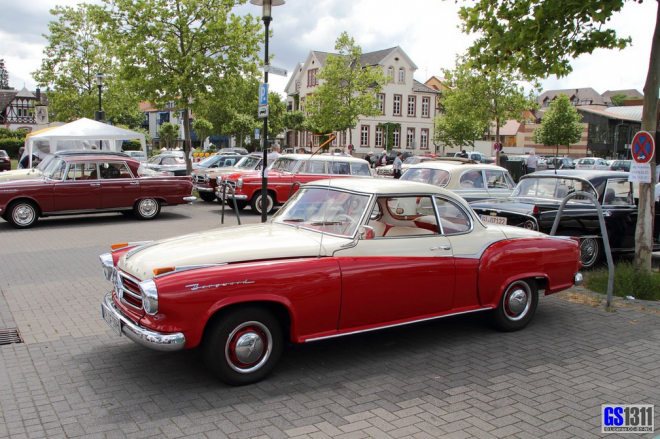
(643, 147)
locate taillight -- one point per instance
(536, 210)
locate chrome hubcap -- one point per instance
(517, 301)
(23, 214)
(248, 347)
(588, 251)
(148, 207)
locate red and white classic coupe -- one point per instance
(90, 184)
(315, 271)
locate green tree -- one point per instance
(349, 90)
(478, 99)
(203, 128)
(619, 99)
(169, 134)
(560, 125)
(541, 37)
(276, 111)
(4, 76)
(174, 50)
(242, 127)
(461, 130)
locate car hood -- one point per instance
(218, 171)
(28, 180)
(19, 174)
(227, 245)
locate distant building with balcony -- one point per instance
(17, 109)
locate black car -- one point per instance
(621, 165)
(5, 161)
(535, 200)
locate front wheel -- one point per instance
(147, 209)
(517, 305)
(207, 196)
(255, 203)
(590, 252)
(243, 346)
(22, 214)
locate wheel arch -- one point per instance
(23, 198)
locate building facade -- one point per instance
(402, 100)
(21, 110)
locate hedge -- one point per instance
(11, 146)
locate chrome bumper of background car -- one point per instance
(578, 279)
(222, 196)
(204, 189)
(143, 336)
(190, 199)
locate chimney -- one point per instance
(38, 95)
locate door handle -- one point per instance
(134, 183)
(95, 184)
(442, 247)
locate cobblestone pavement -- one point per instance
(72, 377)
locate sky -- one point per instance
(427, 30)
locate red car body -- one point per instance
(90, 184)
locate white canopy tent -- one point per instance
(81, 134)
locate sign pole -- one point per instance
(264, 172)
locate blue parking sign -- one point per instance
(263, 94)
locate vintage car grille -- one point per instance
(128, 290)
(231, 183)
(385, 171)
(199, 178)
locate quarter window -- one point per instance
(498, 180)
(453, 219)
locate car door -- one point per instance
(119, 188)
(78, 188)
(405, 271)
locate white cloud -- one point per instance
(427, 30)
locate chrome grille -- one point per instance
(199, 179)
(128, 290)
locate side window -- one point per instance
(618, 192)
(340, 168)
(81, 171)
(498, 180)
(471, 179)
(360, 169)
(313, 167)
(453, 219)
(411, 216)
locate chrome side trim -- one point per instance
(143, 336)
(395, 325)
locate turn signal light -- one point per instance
(159, 271)
(119, 245)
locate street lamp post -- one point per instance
(267, 18)
(99, 115)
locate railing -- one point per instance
(603, 231)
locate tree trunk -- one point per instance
(186, 139)
(644, 230)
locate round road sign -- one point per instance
(643, 146)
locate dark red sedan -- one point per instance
(5, 161)
(90, 184)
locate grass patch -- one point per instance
(627, 282)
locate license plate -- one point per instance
(493, 219)
(111, 320)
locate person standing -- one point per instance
(382, 160)
(503, 159)
(396, 166)
(274, 153)
(532, 160)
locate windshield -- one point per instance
(249, 162)
(209, 161)
(45, 162)
(55, 170)
(552, 188)
(324, 210)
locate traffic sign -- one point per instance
(263, 111)
(263, 94)
(274, 70)
(643, 146)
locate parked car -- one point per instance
(286, 174)
(241, 151)
(472, 181)
(137, 155)
(90, 184)
(536, 199)
(343, 256)
(18, 174)
(175, 164)
(388, 171)
(206, 181)
(5, 161)
(592, 163)
(560, 163)
(620, 165)
(216, 161)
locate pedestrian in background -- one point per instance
(532, 160)
(396, 166)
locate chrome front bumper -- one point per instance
(229, 196)
(190, 199)
(204, 189)
(144, 336)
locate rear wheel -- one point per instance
(256, 203)
(207, 196)
(22, 214)
(243, 346)
(517, 305)
(591, 250)
(147, 209)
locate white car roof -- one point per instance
(325, 158)
(453, 166)
(381, 186)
